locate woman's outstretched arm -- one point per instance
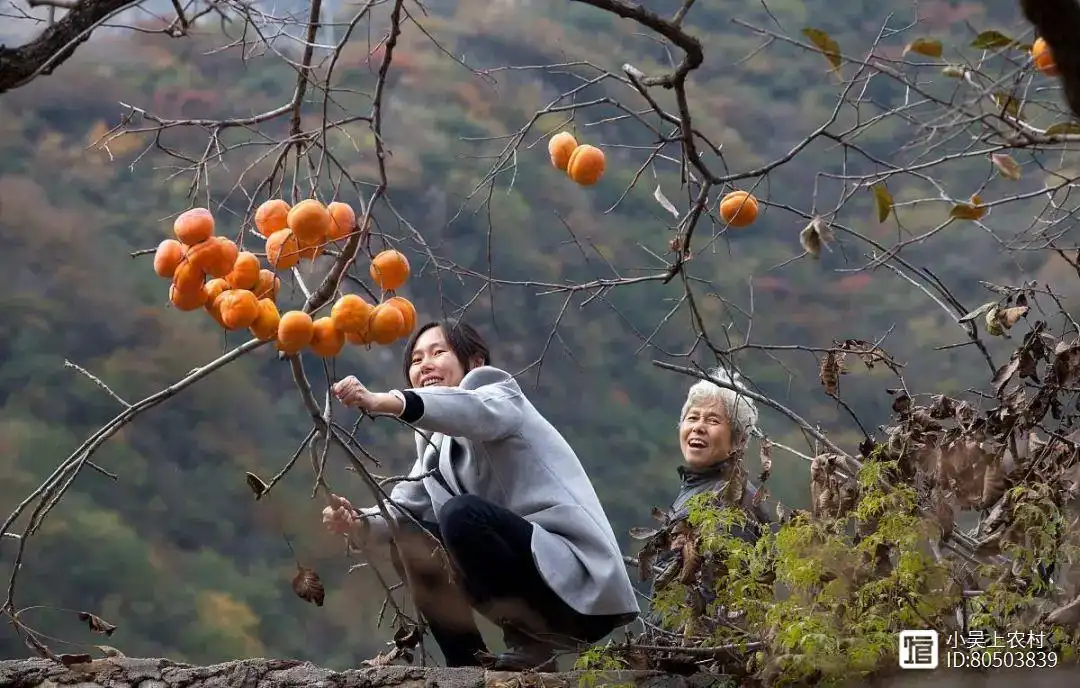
(486, 406)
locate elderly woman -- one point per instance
(714, 429)
(528, 541)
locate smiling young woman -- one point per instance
(508, 498)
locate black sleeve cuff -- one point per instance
(414, 407)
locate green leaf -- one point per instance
(1010, 105)
(1008, 167)
(883, 200)
(992, 40)
(825, 44)
(1063, 128)
(924, 46)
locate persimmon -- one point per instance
(268, 285)
(245, 271)
(187, 300)
(271, 216)
(390, 269)
(188, 278)
(359, 338)
(265, 325)
(168, 255)
(1043, 58)
(310, 221)
(238, 307)
(350, 313)
(214, 289)
(295, 329)
(560, 147)
(408, 312)
(385, 324)
(215, 256)
(313, 250)
(282, 249)
(193, 226)
(586, 165)
(342, 220)
(738, 209)
(326, 340)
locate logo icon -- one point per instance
(918, 649)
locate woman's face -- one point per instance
(705, 435)
(433, 361)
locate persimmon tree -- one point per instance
(886, 544)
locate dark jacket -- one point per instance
(695, 482)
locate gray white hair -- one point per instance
(741, 411)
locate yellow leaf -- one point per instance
(969, 211)
(825, 44)
(1063, 128)
(883, 200)
(924, 46)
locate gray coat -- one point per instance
(512, 456)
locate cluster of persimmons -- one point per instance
(212, 272)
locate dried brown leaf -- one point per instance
(1004, 374)
(642, 533)
(815, 235)
(734, 488)
(1009, 316)
(1005, 164)
(993, 486)
(1066, 615)
(691, 561)
(760, 496)
(766, 460)
(72, 660)
(97, 624)
(382, 659)
(1066, 364)
(257, 485)
(407, 637)
(943, 513)
(308, 586)
(645, 559)
(829, 373)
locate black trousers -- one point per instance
(491, 554)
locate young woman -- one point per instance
(506, 495)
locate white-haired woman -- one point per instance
(714, 429)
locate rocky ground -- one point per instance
(276, 673)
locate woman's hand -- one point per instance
(352, 392)
(339, 517)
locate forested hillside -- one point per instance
(173, 548)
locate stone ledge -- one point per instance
(130, 672)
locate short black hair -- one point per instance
(463, 339)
